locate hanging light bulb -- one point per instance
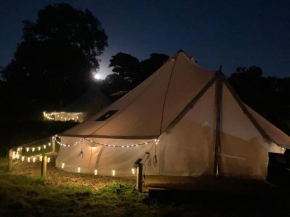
(133, 171)
(22, 158)
(79, 169)
(39, 148)
(33, 149)
(96, 172)
(40, 158)
(49, 144)
(44, 146)
(27, 149)
(34, 159)
(113, 172)
(28, 160)
(48, 159)
(62, 165)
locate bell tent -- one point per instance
(181, 121)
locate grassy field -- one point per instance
(23, 193)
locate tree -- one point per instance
(130, 72)
(54, 62)
(267, 95)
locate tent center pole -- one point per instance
(218, 108)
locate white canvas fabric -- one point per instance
(177, 106)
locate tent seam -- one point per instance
(164, 102)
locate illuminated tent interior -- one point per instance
(81, 109)
(182, 121)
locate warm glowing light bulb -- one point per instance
(34, 159)
(33, 149)
(27, 149)
(28, 160)
(79, 169)
(22, 158)
(96, 172)
(48, 159)
(113, 172)
(62, 165)
(133, 171)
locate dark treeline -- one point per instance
(129, 72)
(269, 96)
(53, 64)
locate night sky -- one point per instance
(229, 33)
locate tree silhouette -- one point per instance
(130, 72)
(54, 62)
(267, 95)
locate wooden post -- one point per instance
(20, 152)
(218, 105)
(53, 146)
(43, 165)
(139, 176)
(10, 159)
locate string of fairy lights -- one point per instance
(39, 158)
(62, 116)
(156, 141)
(18, 153)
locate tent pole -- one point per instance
(218, 105)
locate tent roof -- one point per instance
(90, 103)
(158, 102)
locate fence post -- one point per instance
(43, 165)
(139, 175)
(10, 159)
(53, 146)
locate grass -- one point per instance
(23, 195)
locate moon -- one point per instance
(97, 76)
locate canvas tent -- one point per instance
(82, 108)
(182, 121)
